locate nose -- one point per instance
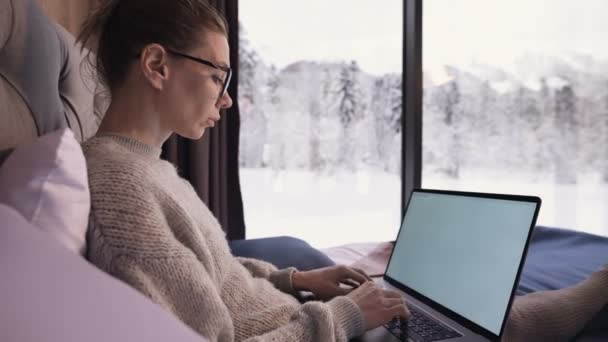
(224, 101)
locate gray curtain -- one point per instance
(211, 163)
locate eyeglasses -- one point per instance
(227, 70)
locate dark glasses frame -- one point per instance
(227, 70)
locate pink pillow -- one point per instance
(46, 181)
(50, 294)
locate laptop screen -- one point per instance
(463, 252)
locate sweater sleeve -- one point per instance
(313, 322)
(281, 279)
(186, 289)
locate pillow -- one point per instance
(49, 294)
(282, 251)
(46, 181)
(4, 154)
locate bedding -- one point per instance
(49, 294)
(46, 182)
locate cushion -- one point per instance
(282, 251)
(4, 154)
(49, 294)
(46, 181)
(560, 258)
(42, 87)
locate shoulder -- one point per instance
(111, 165)
(103, 154)
(122, 184)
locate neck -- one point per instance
(134, 116)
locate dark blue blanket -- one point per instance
(560, 258)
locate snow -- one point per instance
(330, 210)
(323, 210)
(503, 87)
(556, 82)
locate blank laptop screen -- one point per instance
(463, 252)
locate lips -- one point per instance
(212, 121)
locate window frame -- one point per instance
(412, 92)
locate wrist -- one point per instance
(298, 281)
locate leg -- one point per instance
(557, 315)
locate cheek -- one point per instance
(201, 94)
(195, 95)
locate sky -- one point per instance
(494, 32)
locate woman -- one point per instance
(166, 64)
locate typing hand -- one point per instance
(379, 306)
(326, 283)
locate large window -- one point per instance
(320, 101)
(516, 101)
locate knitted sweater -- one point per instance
(150, 229)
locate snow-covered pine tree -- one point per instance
(328, 120)
(530, 118)
(378, 107)
(567, 128)
(386, 111)
(604, 123)
(273, 108)
(546, 133)
(251, 103)
(449, 99)
(350, 110)
(316, 160)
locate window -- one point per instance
(320, 102)
(516, 101)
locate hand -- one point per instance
(379, 306)
(325, 283)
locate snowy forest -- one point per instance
(547, 120)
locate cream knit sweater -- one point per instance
(150, 229)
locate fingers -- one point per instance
(399, 310)
(363, 273)
(336, 291)
(392, 294)
(391, 302)
(350, 283)
(397, 304)
(348, 272)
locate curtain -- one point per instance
(211, 163)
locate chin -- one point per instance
(200, 135)
(193, 135)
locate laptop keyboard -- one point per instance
(421, 328)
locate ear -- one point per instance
(153, 63)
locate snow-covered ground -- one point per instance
(359, 207)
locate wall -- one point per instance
(69, 13)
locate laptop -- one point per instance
(457, 261)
